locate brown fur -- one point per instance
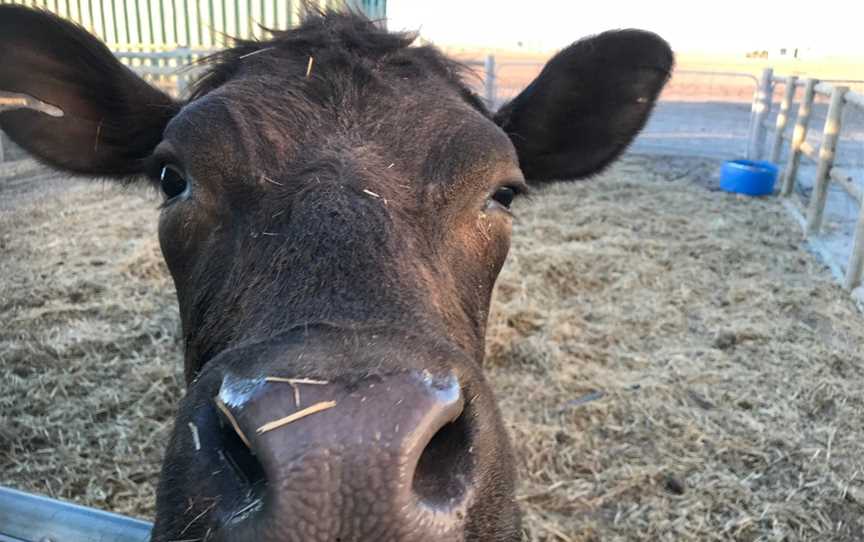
(346, 225)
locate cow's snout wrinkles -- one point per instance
(383, 456)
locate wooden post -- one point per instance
(783, 117)
(856, 260)
(490, 81)
(798, 137)
(827, 151)
(761, 110)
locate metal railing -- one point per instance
(172, 71)
(32, 518)
(165, 24)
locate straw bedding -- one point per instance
(670, 362)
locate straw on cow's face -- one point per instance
(336, 214)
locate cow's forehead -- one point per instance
(427, 124)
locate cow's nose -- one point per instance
(386, 458)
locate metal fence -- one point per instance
(700, 113)
(155, 25)
(172, 71)
(34, 518)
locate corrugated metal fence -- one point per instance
(159, 38)
(153, 25)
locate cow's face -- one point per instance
(336, 213)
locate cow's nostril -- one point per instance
(443, 473)
(237, 454)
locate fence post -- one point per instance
(761, 110)
(856, 260)
(783, 117)
(827, 151)
(798, 137)
(489, 81)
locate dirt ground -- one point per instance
(671, 363)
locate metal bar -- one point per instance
(224, 4)
(212, 19)
(141, 55)
(761, 110)
(92, 26)
(827, 152)
(801, 82)
(181, 52)
(694, 72)
(80, 12)
(249, 23)
(489, 81)
(138, 22)
(236, 19)
(34, 518)
(824, 89)
(183, 77)
(845, 82)
(174, 26)
(783, 117)
(162, 30)
(799, 136)
(103, 27)
(114, 21)
(150, 20)
(197, 21)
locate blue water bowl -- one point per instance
(751, 177)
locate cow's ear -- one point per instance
(587, 105)
(69, 102)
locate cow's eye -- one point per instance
(172, 181)
(504, 196)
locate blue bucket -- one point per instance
(751, 177)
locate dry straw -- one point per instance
(295, 385)
(308, 411)
(233, 421)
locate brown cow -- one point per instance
(334, 237)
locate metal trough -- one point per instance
(33, 518)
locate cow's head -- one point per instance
(337, 209)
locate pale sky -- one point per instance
(718, 25)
